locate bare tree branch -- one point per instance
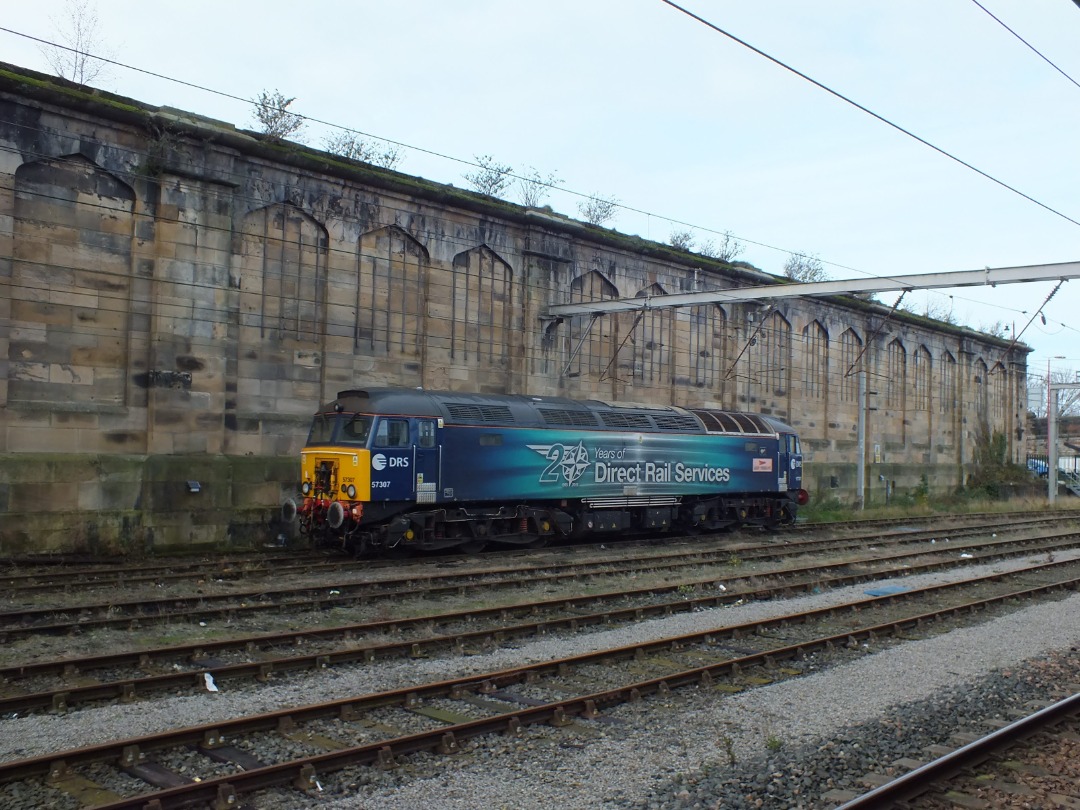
(274, 118)
(535, 187)
(349, 145)
(1068, 400)
(998, 329)
(683, 240)
(726, 251)
(940, 311)
(805, 267)
(492, 178)
(79, 30)
(598, 210)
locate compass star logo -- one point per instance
(574, 462)
(568, 462)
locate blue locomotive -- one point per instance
(389, 467)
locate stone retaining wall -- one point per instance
(177, 296)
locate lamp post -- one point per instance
(1048, 359)
(1051, 435)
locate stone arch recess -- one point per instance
(70, 284)
(391, 279)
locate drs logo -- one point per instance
(381, 462)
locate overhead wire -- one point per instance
(179, 183)
(868, 111)
(192, 167)
(755, 370)
(1033, 49)
(433, 153)
(730, 374)
(190, 306)
(427, 151)
(181, 310)
(553, 187)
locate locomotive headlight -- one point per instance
(350, 490)
(306, 488)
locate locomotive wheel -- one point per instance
(787, 513)
(473, 546)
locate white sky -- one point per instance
(634, 100)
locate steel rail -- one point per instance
(323, 597)
(113, 566)
(64, 697)
(918, 781)
(161, 573)
(21, 622)
(201, 648)
(35, 583)
(304, 771)
(236, 568)
(29, 583)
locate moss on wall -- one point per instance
(138, 505)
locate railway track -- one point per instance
(688, 586)
(186, 667)
(22, 577)
(1032, 760)
(302, 745)
(425, 583)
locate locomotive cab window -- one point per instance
(425, 433)
(355, 430)
(321, 429)
(392, 433)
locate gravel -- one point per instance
(831, 729)
(778, 746)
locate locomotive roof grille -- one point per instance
(751, 424)
(632, 421)
(676, 422)
(567, 418)
(479, 414)
(535, 411)
(730, 422)
(710, 420)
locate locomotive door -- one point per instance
(782, 463)
(790, 462)
(426, 460)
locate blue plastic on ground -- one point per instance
(885, 590)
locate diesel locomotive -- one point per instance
(388, 468)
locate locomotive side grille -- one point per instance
(631, 421)
(479, 414)
(679, 422)
(567, 418)
(640, 500)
